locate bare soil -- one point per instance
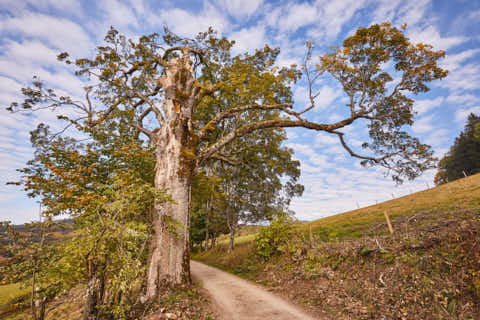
(238, 299)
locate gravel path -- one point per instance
(238, 299)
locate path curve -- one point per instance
(238, 299)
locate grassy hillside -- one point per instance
(460, 194)
(354, 269)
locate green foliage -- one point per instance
(463, 156)
(106, 185)
(273, 239)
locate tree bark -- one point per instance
(232, 225)
(207, 231)
(175, 149)
(93, 294)
(206, 239)
(232, 239)
(170, 256)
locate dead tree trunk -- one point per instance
(175, 145)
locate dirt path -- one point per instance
(238, 299)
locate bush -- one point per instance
(273, 239)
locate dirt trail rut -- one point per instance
(238, 299)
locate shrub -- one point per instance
(273, 239)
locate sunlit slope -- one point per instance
(460, 194)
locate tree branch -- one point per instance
(232, 112)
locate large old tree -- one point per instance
(176, 89)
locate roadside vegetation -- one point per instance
(351, 267)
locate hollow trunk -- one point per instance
(175, 150)
(170, 258)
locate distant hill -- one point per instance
(62, 229)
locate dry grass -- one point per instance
(431, 271)
(9, 292)
(460, 194)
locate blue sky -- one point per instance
(33, 32)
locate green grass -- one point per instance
(9, 292)
(238, 240)
(460, 194)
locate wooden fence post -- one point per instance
(311, 236)
(388, 222)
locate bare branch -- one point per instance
(355, 155)
(150, 134)
(153, 108)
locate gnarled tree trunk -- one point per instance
(170, 246)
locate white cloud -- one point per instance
(326, 96)
(437, 137)
(240, 8)
(463, 99)
(118, 13)
(248, 39)
(326, 139)
(453, 61)
(61, 33)
(432, 36)
(423, 125)
(466, 77)
(296, 16)
(291, 134)
(422, 106)
(139, 6)
(189, 24)
(69, 6)
(411, 12)
(332, 15)
(385, 11)
(30, 51)
(462, 114)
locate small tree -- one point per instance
(106, 185)
(464, 156)
(273, 238)
(182, 85)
